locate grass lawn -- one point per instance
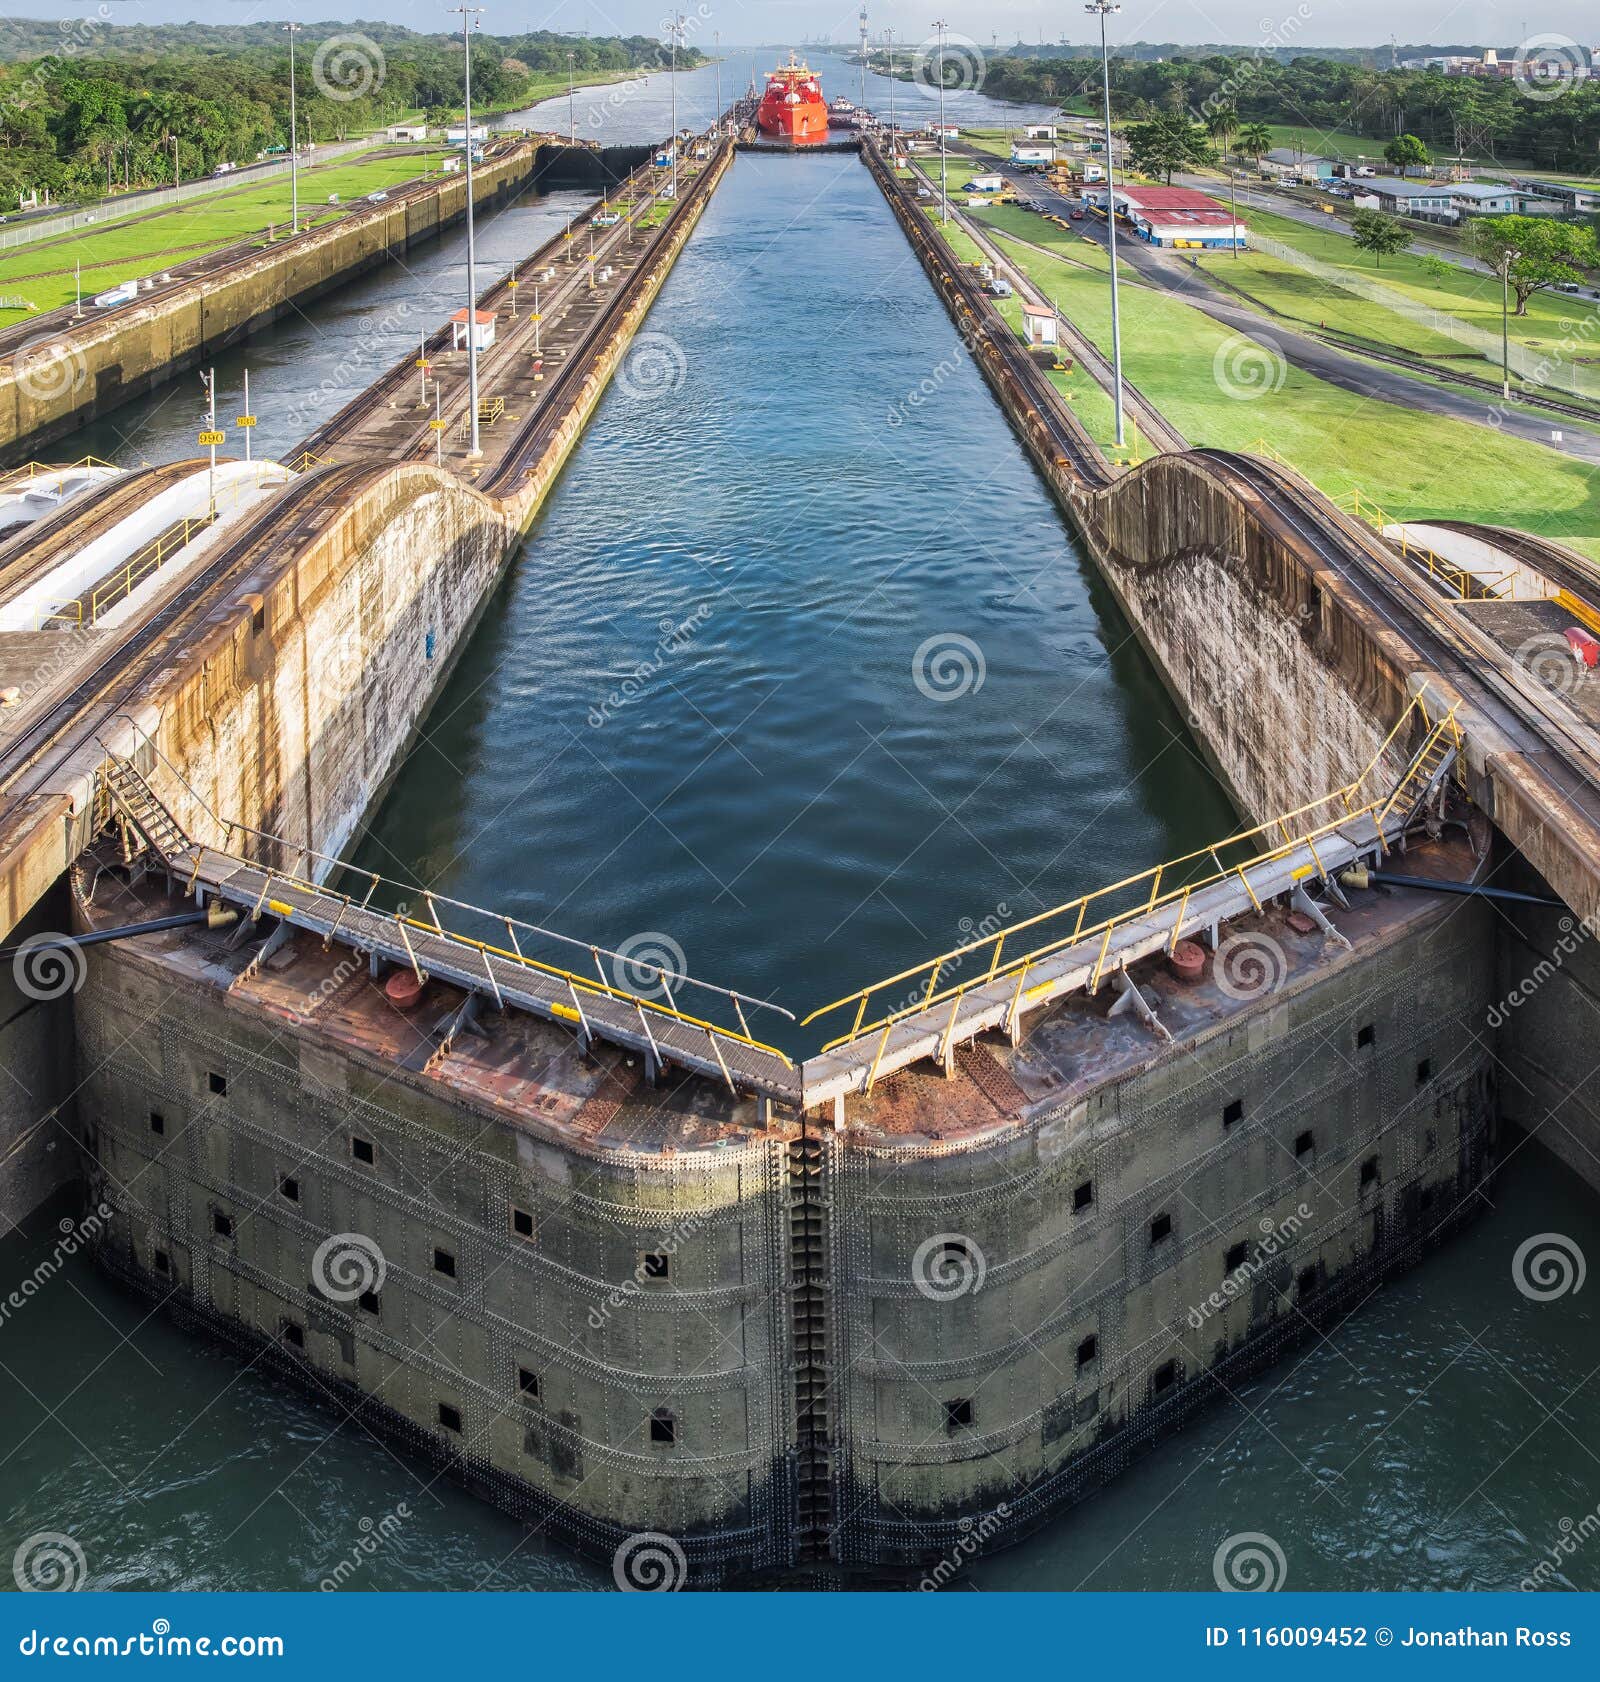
(1439, 291)
(134, 246)
(1414, 465)
(1335, 143)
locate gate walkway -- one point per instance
(1095, 938)
(926, 1012)
(596, 1009)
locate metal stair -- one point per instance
(133, 797)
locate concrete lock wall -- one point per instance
(1391, 1169)
(112, 359)
(243, 1101)
(245, 1097)
(291, 712)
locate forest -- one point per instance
(86, 108)
(1486, 119)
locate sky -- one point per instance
(1313, 23)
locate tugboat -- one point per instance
(793, 108)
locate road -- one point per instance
(1174, 275)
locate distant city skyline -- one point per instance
(1308, 23)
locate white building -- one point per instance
(482, 329)
(408, 131)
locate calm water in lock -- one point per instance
(804, 472)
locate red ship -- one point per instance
(793, 108)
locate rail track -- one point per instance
(1373, 568)
(33, 549)
(63, 323)
(71, 720)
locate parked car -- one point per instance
(1077, 216)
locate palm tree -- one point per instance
(1222, 125)
(1254, 140)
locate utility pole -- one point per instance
(716, 48)
(77, 270)
(863, 58)
(1100, 8)
(572, 109)
(944, 194)
(247, 420)
(468, 13)
(294, 136)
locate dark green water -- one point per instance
(781, 799)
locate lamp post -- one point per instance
(1100, 8)
(572, 109)
(944, 195)
(294, 137)
(888, 36)
(677, 24)
(716, 49)
(468, 13)
(1507, 258)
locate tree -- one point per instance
(1254, 141)
(1223, 124)
(1405, 151)
(1166, 143)
(1382, 235)
(1533, 252)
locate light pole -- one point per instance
(888, 36)
(1507, 258)
(944, 195)
(468, 13)
(1100, 8)
(572, 109)
(863, 59)
(716, 48)
(677, 24)
(294, 137)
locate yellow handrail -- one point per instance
(1148, 898)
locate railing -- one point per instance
(1098, 914)
(118, 586)
(85, 609)
(1453, 578)
(41, 469)
(577, 984)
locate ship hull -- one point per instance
(801, 125)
